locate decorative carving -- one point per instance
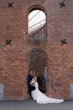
(8, 42)
(62, 4)
(10, 4)
(63, 41)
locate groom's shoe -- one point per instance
(31, 98)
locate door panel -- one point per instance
(1, 91)
(71, 91)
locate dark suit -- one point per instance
(30, 87)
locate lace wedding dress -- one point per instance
(41, 98)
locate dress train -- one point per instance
(41, 98)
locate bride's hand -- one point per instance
(32, 81)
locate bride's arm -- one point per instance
(32, 81)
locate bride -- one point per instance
(40, 97)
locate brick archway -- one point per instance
(38, 62)
(35, 7)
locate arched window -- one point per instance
(36, 20)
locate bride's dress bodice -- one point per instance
(36, 85)
(42, 98)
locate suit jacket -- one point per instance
(29, 78)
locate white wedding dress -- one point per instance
(41, 98)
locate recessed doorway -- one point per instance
(38, 63)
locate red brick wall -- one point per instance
(14, 57)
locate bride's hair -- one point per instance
(34, 75)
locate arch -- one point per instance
(36, 7)
(35, 21)
(35, 49)
(38, 62)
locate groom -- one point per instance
(30, 87)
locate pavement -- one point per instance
(32, 105)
